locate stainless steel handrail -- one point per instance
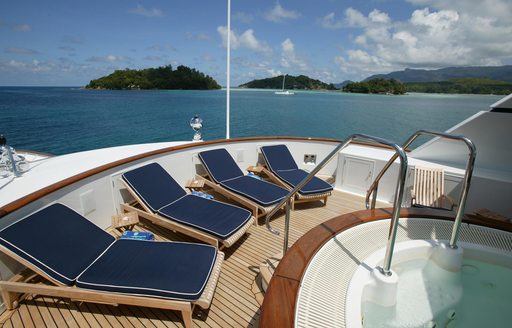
(467, 176)
(396, 204)
(7, 149)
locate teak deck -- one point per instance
(236, 302)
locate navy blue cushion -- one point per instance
(154, 186)
(216, 218)
(260, 191)
(57, 240)
(220, 165)
(278, 158)
(161, 269)
(294, 177)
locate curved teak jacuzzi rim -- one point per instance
(278, 309)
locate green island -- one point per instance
(182, 78)
(459, 86)
(379, 86)
(463, 86)
(300, 82)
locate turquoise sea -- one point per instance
(62, 120)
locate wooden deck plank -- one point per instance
(54, 312)
(34, 313)
(77, 315)
(16, 320)
(98, 315)
(82, 308)
(134, 319)
(234, 303)
(44, 311)
(8, 323)
(66, 312)
(25, 316)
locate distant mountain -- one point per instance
(497, 73)
(342, 84)
(300, 82)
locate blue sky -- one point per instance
(68, 43)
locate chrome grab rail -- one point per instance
(396, 204)
(467, 176)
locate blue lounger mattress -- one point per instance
(163, 195)
(280, 162)
(218, 219)
(58, 241)
(260, 191)
(223, 170)
(73, 251)
(294, 177)
(163, 269)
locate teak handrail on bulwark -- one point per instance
(278, 309)
(13, 206)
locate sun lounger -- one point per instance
(282, 167)
(164, 202)
(227, 178)
(86, 263)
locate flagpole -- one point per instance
(228, 69)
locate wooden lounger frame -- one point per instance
(16, 289)
(169, 224)
(257, 209)
(298, 198)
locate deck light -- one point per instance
(197, 124)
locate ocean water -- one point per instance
(65, 120)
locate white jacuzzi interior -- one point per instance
(431, 294)
(330, 294)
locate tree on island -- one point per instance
(182, 78)
(380, 86)
(300, 82)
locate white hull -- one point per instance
(286, 93)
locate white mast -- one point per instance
(227, 73)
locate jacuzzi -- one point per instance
(432, 285)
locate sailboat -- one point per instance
(283, 91)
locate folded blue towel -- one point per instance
(252, 175)
(140, 235)
(202, 194)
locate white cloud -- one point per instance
(273, 73)
(20, 51)
(108, 59)
(33, 66)
(147, 12)
(153, 58)
(22, 28)
(161, 48)
(435, 21)
(288, 57)
(279, 14)
(245, 40)
(242, 17)
(73, 39)
(351, 18)
(443, 33)
(378, 16)
(197, 36)
(355, 18)
(329, 21)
